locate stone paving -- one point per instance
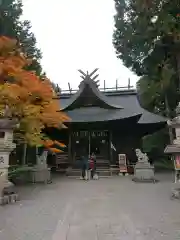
(108, 209)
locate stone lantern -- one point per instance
(7, 126)
(174, 150)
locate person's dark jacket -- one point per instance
(84, 162)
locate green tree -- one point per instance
(12, 26)
(143, 26)
(147, 40)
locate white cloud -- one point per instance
(76, 34)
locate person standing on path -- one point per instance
(93, 165)
(84, 166)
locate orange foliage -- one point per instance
(55, 150)
(48, 143)
(29, 99)
(60, 144)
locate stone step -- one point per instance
(101, 176)
(100, 172)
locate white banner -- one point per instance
(113, 147)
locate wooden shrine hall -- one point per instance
(107, 122)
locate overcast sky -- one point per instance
(76, 34)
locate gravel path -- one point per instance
(108, 209)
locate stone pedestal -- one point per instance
(143, 171)
(41, 173)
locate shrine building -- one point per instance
(106, 122)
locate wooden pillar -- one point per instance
(70, 148)
(110, 148)
(89, 143)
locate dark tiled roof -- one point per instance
(97, 114)
(130, 101)
(127, 99)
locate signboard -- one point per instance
(122, 163)
(177, 162)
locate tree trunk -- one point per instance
(36, 149)
(24, 154)
(168, 114)
(178, 68)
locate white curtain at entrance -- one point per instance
(113, 147)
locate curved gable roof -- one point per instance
(97, 114)
(128, 99)
(89, 95)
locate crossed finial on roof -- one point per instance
(89, 76)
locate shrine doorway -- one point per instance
(99, 144)
(89, 142)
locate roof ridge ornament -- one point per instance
(89, 94)
(88, 77)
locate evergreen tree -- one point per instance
(147, 40)
(11, 26)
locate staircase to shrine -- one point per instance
(62, 165)
(102, 168)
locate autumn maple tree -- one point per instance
(28, 98)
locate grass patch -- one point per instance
(164, 164)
